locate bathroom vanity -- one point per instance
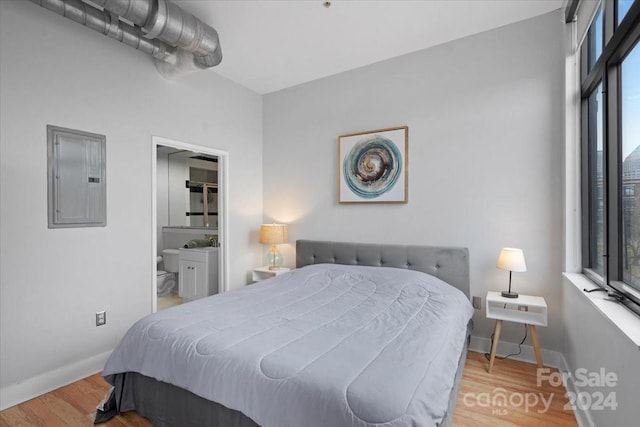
(198, 276)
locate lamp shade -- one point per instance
(511, 259)
(273, 234)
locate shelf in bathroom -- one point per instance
(190, 230)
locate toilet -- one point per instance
(166, 279)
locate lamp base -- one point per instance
(509, 294)
(274, 259)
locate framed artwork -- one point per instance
(372, 166)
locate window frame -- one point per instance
(618, 41)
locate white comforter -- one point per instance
(325, 345)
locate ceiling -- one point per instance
(268, 45)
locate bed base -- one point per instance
(166, 405)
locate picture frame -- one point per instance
(373, 166)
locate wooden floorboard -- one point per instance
(478, 401)
(480, 404)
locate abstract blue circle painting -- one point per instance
(373, 166)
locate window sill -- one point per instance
(619, 315)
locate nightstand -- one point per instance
(263, 273)
(530, 310)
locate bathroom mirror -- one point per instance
(192, 182)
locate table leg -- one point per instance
(494, 347)
(536, 344)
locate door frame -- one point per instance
(223, 209)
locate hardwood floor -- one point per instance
(168, 301)
(74, 405)
(479, 396)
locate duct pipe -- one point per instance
(110, 26)
(178, 41)
(166, 21)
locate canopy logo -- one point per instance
(500, 400)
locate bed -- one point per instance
(356, 335)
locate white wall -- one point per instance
(485, 148)
(162, 197)
(178, 198)
(53, 71)
(592, 343)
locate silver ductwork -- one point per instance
(179, 41)
(166, 21)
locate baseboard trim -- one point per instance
(550, 358)
(51, 380)
(583, 416)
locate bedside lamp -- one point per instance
(273, 234)
(513, 260)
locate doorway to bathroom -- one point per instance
(189, 206)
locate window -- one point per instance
(610, 88)
(630, 135)
(596, 181)
(594, 36)
(623, 8)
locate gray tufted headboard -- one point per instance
(446, 263)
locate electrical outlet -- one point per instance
(101, 318)
(477, 303)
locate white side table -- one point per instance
(263, 273)
(530, 310)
